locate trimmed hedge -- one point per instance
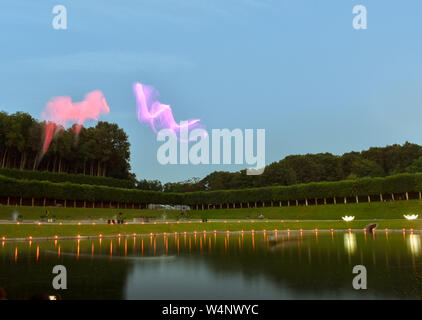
(66, 177)
(347, 188)
(27, 189)
(400, 183)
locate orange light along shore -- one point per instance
(47, 231)
(134, 235)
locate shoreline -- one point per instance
(160, 234)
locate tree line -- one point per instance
(101, 151)
(299, 169)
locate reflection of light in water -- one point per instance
(253, 241)
(78, 250)
(155, 246)
(178, 246)
(414, 243)
(350, 242)
(167, 245)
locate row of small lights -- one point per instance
(215, 231)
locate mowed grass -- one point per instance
(48, 230)
(386, 214)
(361, 211)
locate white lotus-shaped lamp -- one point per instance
(348, 218)
(411, 216)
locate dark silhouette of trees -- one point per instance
(101, 151)
(298, 169)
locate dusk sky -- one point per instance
(296, 68)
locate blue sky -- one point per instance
(296, 68)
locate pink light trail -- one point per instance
(157, 114)
(61, 111)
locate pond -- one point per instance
(219, 266)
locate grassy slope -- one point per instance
(374, 210)
(24, 231)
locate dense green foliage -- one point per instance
(347, 188)
(69, 191)
(298, 169)
(102, 150)
(66, 177)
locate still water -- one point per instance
(208, 266)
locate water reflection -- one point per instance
(350, 242)
(414, 244)
(274, 264)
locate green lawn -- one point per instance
(46, 230)
(386, 214)
(374, 210)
